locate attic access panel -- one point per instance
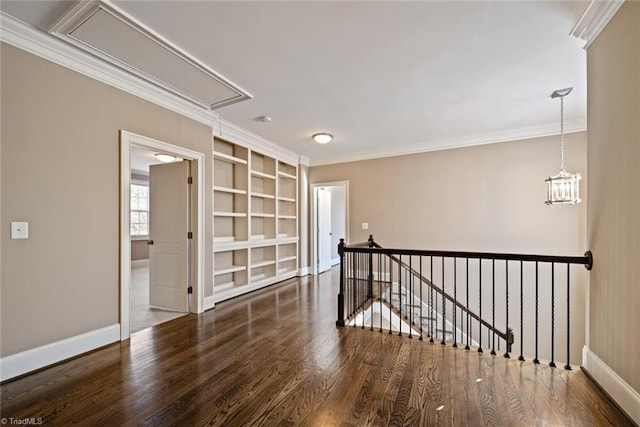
(102, 29)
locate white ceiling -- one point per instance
(383, 77)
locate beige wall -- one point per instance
(483, 198)
(139, 250)
(613, 67)
(60, 172)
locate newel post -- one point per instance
(340, 321)
(370, 275)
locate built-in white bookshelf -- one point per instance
(230, 187)
(287, 207)
(255, 224)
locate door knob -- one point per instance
(149, 242)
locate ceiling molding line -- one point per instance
(34, 41)
(531, 133)
(75, 27)
(596, 16)
(238, 135)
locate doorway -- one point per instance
(160, 205)
(161, 268)
(330, 213)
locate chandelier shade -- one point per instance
(563, 188)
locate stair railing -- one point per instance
(364, 265)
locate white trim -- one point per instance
(595, 17)
(618, 389)
(304, 161)
(83, 11)
(387, 317)
(140, 182)
(34, 41)
(314, 219)
(251, 286)
(335, 261)
(127, 140)
(449, 144)
(244, 244)
(40, 357)
(303, 219)
(140, 263)
(304, 271)
(238, 135)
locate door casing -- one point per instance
(323, 202)
(314, 217)
(127, 140)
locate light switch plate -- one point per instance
(19, 230)
(365, 225)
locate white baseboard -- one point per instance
(335, 261)
(140, 263)
(304, 271)
(624, 395)
(39, 357)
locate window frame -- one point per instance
(139, 182)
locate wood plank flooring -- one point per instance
(276, 358)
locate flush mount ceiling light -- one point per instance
(322, 137)
(563, 188)
(165, 158)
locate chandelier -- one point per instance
(563, 188)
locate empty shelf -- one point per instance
(286, 175)
(231, 214)
(229, 158)
(262, 263)
(264, 196)
(262, 175)
(229, 269)
(229, 190)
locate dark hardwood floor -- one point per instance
(276, 358)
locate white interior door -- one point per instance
(169, 201)
(324, 229)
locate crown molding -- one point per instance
(68, 27)
(595, 17)
(304, 161)
(448, 144)
(36, 42)
(233, 133)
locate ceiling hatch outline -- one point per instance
(104, 30)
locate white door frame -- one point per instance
(314, 217)
(128, 140)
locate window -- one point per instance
(139, 210)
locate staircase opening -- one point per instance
(469, 299)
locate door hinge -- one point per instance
(190, 180)
(190, 235)
(190, 290)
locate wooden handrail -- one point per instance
(586, 259)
